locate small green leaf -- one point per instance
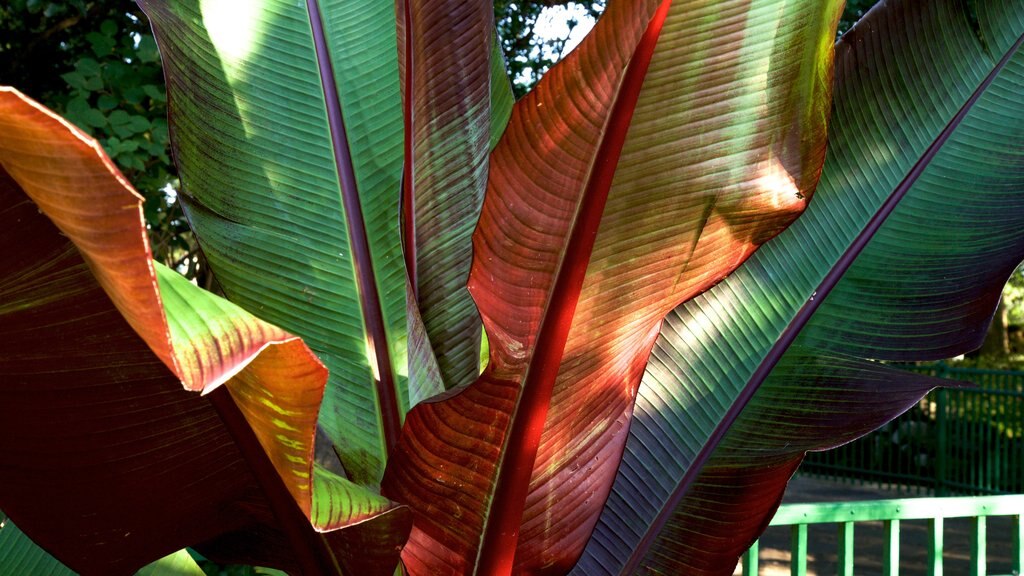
(120, 123)
(118, 73)
(147, 50)
(75, 80)
(134, 95)
(77, 106)
(101, 45)
(87, 67)
(155, 92)
(107, 102)
(109, 27)
(134, 162)
(94, 118)
(128, 146)
(138, 124)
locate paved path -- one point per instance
(823, 542)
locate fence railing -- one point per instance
(955, 441)
(846, 515)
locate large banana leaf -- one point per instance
(286, 120)
(450, 127)
(902, 255)
(107, 462)
(641, 171)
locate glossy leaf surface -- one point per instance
(287, 124)
(915, 128)
(449, 124)
(608, 203)
(108, 463)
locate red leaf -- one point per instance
(610, 200)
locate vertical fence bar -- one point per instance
(935, 545)
(798, 550)
(942, 449)
(1018, 544)
(750, 566)
(891, 548)
(978, 560)
(845, 560)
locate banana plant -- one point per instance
(369, 197)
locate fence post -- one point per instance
(891, 548)
(845, 556)
(750, 567)
(936, 527)
(1018, 544)
(942, 447)
(798, 550)
(978, 545)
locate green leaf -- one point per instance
(286, 215)
(87, 67)
(108, 27)
(106, 102)
(75, 80)
(120, 123)
(924, 286)
(147, 50)
(155, 92)
(102, 46)
(177, 564)
(92, 117)
(77, 106)
(138, 124)
(134, 95)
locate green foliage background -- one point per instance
(96, 63)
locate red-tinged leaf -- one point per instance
(911, 236)
(647, 166)
(108, 463)
(447, 96)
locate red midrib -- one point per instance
(501, 531)
(408, 170)
(373, 318)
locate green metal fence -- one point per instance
(964, 441)
(935, 511)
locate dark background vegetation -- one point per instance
(96, 63)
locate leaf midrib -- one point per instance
(496, 554)
(373, 318)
